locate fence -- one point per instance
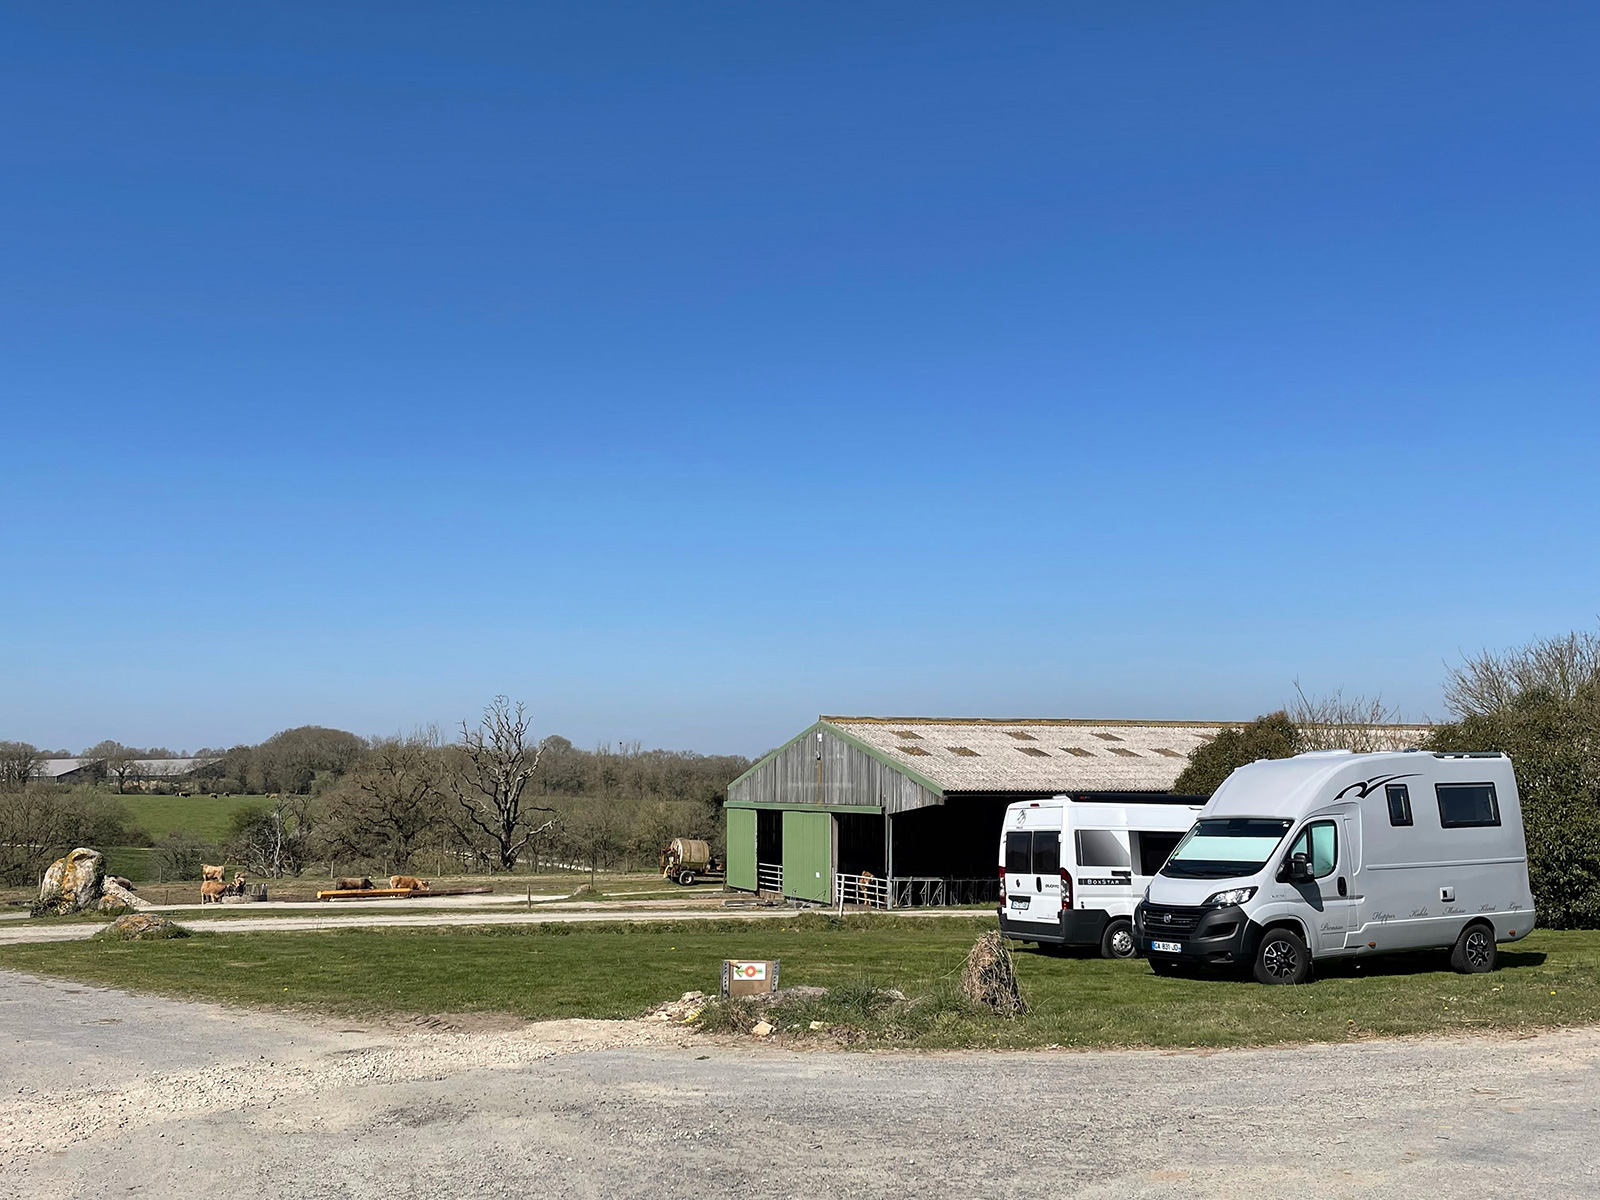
(869, 891)
(769, 877)
(918, 892)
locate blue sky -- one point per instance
(689, 370)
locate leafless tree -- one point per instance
(19, 765)
(1333, 722)
(1490, 680)
(494, 764)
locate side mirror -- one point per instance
(1299, 869)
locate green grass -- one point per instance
(201, 816)
(622, 969)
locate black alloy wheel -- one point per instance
(1474, 952)
(1282, 958)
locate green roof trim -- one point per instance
(869, 809)
(870, 751)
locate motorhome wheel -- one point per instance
(1282, 958)
(1117, 941)
(1474, 952)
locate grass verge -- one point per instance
(618, 970)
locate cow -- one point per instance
(212, 891)
(364, 884)
(408, 882)
(208, 872)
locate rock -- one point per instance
(115, 897)
(761, 1029)
(72, 884)
(816, 1025)
(683, 1010)
(141, 927)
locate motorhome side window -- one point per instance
(1399, 804)
(1467, 805)
(1319, 842)
(1103, 848)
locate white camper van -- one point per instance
(1336, 854)
(1072, 870)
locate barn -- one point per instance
(907, 810)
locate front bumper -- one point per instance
(1217, 935)
(1072, 927)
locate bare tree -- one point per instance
(1490, 680)
(1332, 722)
(19, 765)
(494, 764)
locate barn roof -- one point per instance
(975, 754)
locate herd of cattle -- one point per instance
(213, 888)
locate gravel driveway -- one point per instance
(107, 1094)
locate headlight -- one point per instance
(1231, 896)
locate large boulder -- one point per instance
(141, 927)
(72, 884)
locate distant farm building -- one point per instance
(141, 772)
(907, 810)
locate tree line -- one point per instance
(1538, 703)
(492, 798)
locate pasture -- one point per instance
(620, 970)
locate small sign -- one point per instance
(749, 977)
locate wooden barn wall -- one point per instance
(845, 776)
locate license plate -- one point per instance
(1020, 901)
(1168, 947)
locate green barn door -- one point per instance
(808, 855)
(742, 848)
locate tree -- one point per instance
(113, 759)
(493, 765)
(19, 765)
(1360, 724)
(41, 824)
(275, 841)
(1271, 736)
(295, 759)
(388, 806)
(1492, 681)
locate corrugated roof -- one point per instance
(149, 768)
(1033, 754)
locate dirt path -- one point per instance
(19, 933)
(106, 1094)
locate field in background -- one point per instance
(621, 970)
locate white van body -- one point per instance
(1071, 870)
(1407, 851)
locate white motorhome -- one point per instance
(1072, 870)
(1335, 854)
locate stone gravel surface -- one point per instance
(108, 1094)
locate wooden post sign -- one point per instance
(747, 977)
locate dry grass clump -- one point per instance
(990, 977)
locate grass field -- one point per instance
(201, 816)
(621, 970)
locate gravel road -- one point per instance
(107, 1094)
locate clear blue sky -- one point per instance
(687, 370)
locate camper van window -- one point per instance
(1019, 853)
(1103, 848)
(1319, 843)
(1155, 849)
(1046, 852)
(1225, 847)
(1399, 804)
(1467, 805)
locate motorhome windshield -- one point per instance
(1225, 848)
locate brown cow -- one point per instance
(364, 884)
(208, 872)
(212, 891)
(409, 882)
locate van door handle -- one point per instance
(1343, 890)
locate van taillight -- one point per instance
(1002, 885)
(1066, 889)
